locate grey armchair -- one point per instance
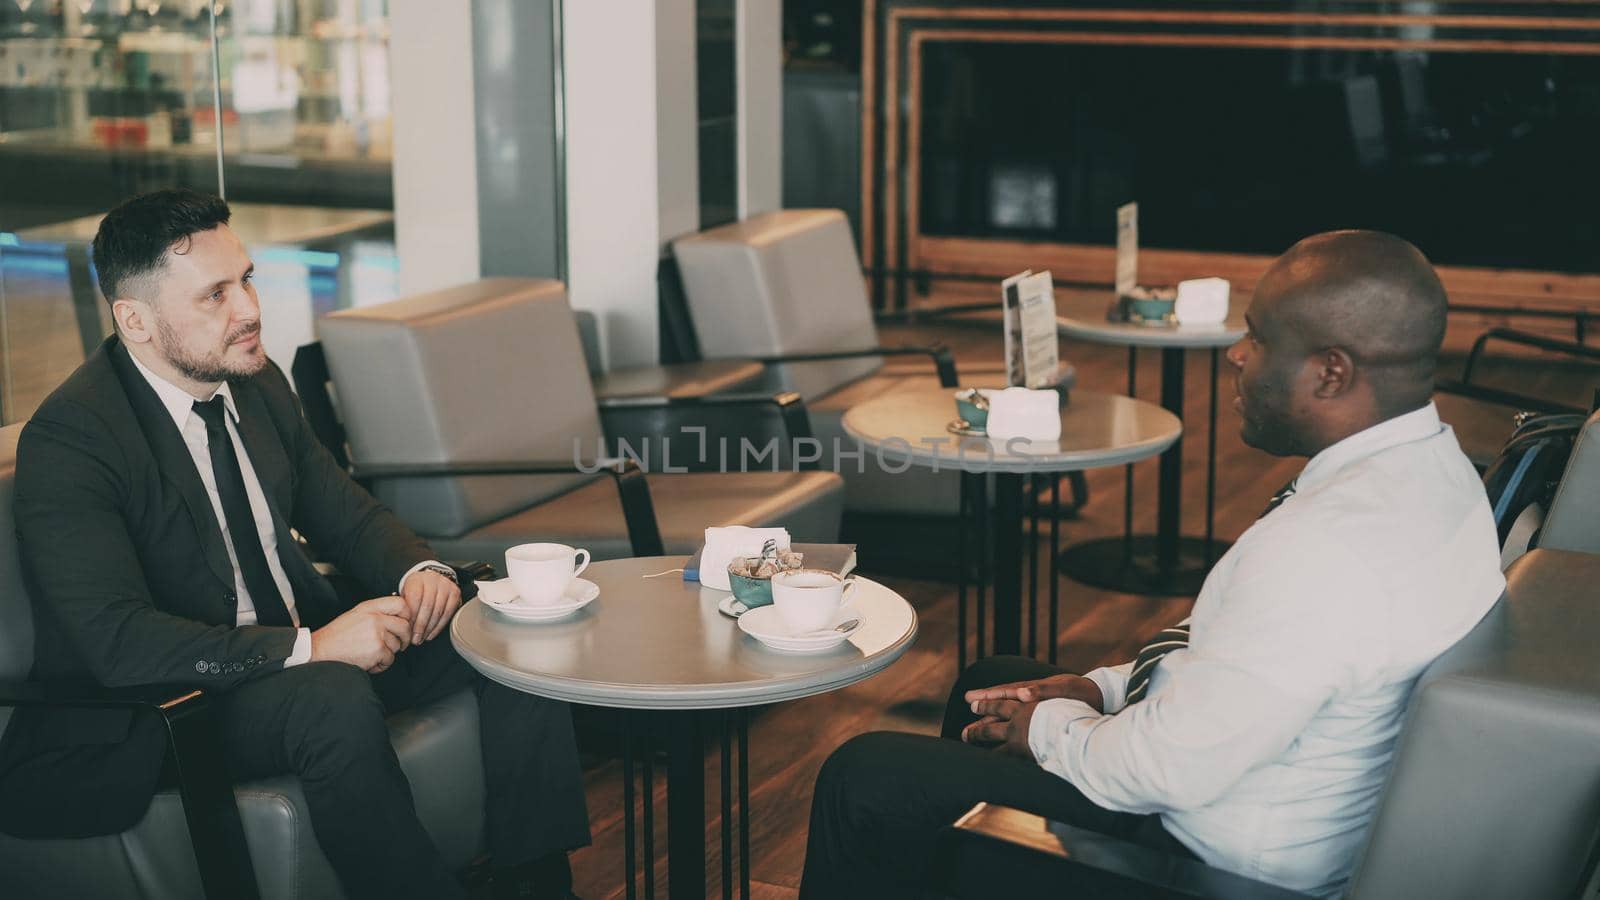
(1573, 520)
(198, 838)
(472, 413)
(1495, 789)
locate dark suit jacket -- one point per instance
(132, 585)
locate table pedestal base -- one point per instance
(1132, 566)
(686, 814)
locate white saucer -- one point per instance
(733, 607)
(764, 624)
(501, 596)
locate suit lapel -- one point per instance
(173, 459)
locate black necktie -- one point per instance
(1170, 639)
(241, 522)
(1283, 494)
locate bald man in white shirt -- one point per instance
(1256, 734)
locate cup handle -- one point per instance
(849, 586)
(583, 565)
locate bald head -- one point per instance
(1372, 294)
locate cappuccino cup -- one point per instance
(809, 599)
(542, 572)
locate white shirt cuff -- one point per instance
(302, 648)
(1051, 718)
(1113, 684)
(415, 569)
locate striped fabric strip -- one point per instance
(1144, 665)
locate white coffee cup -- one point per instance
(809, 599)
(542, 572)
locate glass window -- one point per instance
(104, 99)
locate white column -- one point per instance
(612, 198)
(759, 60)
(435, 145)
(677, 125)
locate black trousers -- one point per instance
(881, 798)
(324, 722)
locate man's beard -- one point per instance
(212, 368)
(1268, 425)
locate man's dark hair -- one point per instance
(134, 238)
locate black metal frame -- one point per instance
(209, 807)
(629, 416)
(685, 732)
(1079, 863)
(944, 361)
(1465, 387)
(791, 408)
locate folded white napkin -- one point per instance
(725, 544)
(1202, 301)
(1022, 413)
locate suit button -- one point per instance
(215, 668)
(200, 667)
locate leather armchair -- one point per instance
(472, 413)
(1572, 522)
(1494, 791)
(199, 838)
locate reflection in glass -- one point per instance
(1482, 159)
(104, 99)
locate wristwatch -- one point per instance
(446, 571)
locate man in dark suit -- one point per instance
(156, 491)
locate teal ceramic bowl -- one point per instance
(977, 418)
(752, 592)
(1151, 305)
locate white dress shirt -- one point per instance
(1265, 743)
(180, 405)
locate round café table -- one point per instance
(659, 644)
(1166, 562)
(910, 428)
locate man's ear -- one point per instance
(133, 318)
(1336, 373)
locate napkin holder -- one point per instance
(1202, 301)
(1022, 413)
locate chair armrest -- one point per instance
(637, 508)
(943, 360)
(1504, 397)
(1035, 857)
(195, 746)
(791, 408)
(1513, 336)
(167, 700)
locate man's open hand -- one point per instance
(1004, 723)
(432, 600)
(367, 636)
(1071, 687)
